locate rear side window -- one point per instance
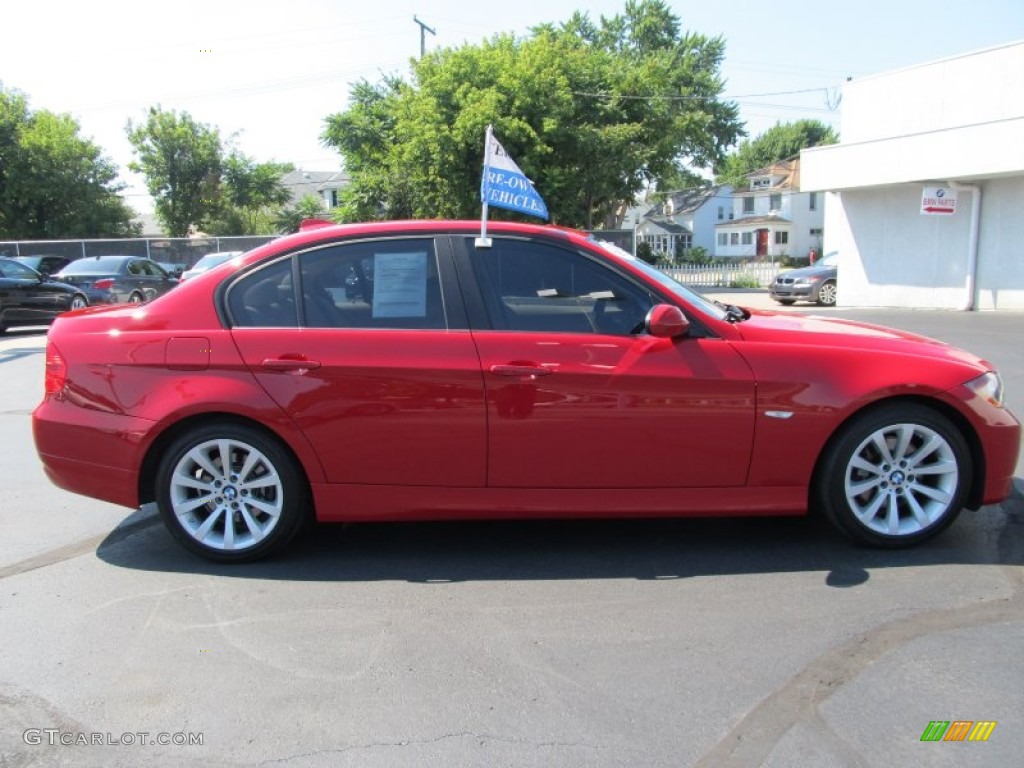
(265, 298)
(372, 284)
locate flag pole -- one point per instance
(484, 241)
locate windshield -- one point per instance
(685, 294)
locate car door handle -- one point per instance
(520, 369)
(289, 364)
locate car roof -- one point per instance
(321, 231)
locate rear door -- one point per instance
(366, 346)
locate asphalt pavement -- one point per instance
(760, 642)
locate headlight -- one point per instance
(806, 281)
(989, 387)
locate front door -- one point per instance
(578, 397)
(762, 242)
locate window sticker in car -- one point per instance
(400, 285)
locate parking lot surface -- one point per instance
(654, 643)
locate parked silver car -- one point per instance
(816, 283)
(208, 262)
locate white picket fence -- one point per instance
(723, 275)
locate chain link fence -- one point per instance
(177, 252)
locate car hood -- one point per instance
(791, 328)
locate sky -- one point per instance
(267, 74)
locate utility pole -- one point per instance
(423, 35)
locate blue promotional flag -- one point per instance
(504, 185)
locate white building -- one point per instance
(955, 124)
(772, 218)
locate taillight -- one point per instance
(104, 285)
(56, 370)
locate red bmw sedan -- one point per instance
(409, 371)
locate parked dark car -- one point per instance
(115, 279)
(44, 264)
(816, 283)
(29, 298)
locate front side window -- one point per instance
(530, 286)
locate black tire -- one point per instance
(786, 302)
(266, 508)
(827, 294)
(903, 498)
(136, 298)
(79, 301)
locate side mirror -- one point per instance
(666, 321)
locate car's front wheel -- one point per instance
(229, 493)
(136, 298)
(78, 301)
(895, 476)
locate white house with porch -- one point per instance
(772, 218)
(685, 220)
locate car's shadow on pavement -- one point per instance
(592, 549)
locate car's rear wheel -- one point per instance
(229, 493)
(78, 301)
(895, 476)
(136, 298)
(827, 293)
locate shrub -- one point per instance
(744, 281)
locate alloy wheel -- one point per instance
(226, 494)
(901, 480)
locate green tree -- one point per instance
(250, 193)
(53, 182)
(182, 161)
(290, 219)
(782, 141)
(590, 112)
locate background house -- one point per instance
(772, 218)
(326, 185)
(956, 125)
(685, 220)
